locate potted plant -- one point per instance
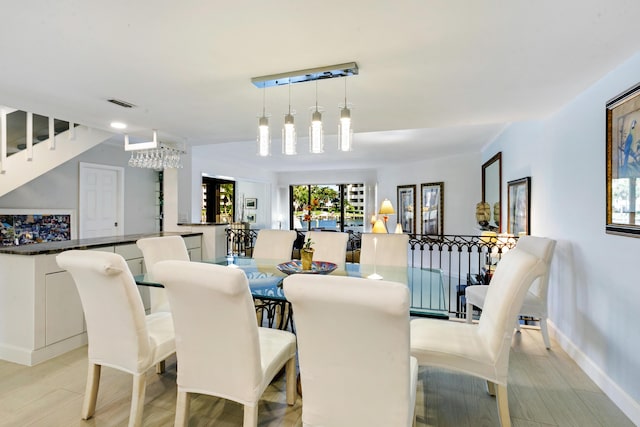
(306, 254)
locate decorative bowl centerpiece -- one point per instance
(317, 267)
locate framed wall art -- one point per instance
(519, 203)
(250, 203)
(406, 208)
(623, 163)
(432, 208)
(251, 217)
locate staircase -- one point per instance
(36, 159)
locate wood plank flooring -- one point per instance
(546, 388)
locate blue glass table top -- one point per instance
(426, 286)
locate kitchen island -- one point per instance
(41, 315)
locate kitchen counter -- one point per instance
(65, 245)
(41, 314)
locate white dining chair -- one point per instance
(384, 249)
(120, 335)
(154, 250)
(220, 349)
(275, 245)
(329, 246)
(482, 349)
(353, 351)
(535, 301)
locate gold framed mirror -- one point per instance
(492, 190)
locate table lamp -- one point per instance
(386, 209)
(379, 227)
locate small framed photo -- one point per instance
(406, 208)
(519, 203)
(251, 203)
(251, 217)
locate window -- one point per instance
(218, 201)
(337, 207)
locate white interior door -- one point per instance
(101, 200)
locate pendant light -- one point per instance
(264, 140)
(289, 131)
(345, 132)
(316, 144)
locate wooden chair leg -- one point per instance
(250, 416)
(469, 317)
(182, 409)
(545, 332)
(91, 391)
(290, 373)
(503, 405)
(491, 388)
(137, 400)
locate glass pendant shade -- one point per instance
(345, 133)
(316, 144)
(289, 136)
(264, 141)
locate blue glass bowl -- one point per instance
(317, 267)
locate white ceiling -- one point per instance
(436, 77)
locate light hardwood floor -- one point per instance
(546, 388)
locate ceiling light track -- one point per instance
(308, 75)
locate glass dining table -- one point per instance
(426, 286)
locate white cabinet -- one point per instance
(64, 317)
(194, 247)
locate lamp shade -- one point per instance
(386, 208)
(399, 228)
(379, 227)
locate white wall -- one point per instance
(58, 189)
(462, 179)
(594, 289)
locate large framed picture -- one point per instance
(623, 163)
(406, 208)
(432, 208)
(519, 203)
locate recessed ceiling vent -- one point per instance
(120, 103)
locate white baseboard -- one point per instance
(28, 357)
(626, 403)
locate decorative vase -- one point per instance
(306, 256)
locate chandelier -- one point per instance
(345, 131)
(153, 154)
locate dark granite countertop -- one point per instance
(55, 247)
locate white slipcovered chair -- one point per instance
(389, 250)
(353, 351)
(482, 349)
(535, 301)
(276, 245)
(221, 351)
(154, 250)
(329, 246)
(120, 335)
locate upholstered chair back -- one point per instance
(353, 350)
(215, 325)
(329, 246)
(276, 245)
(389, 249)
(510, 283)
(113, 309)
(543, 248)
(154, 250)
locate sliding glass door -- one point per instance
(335, 207)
